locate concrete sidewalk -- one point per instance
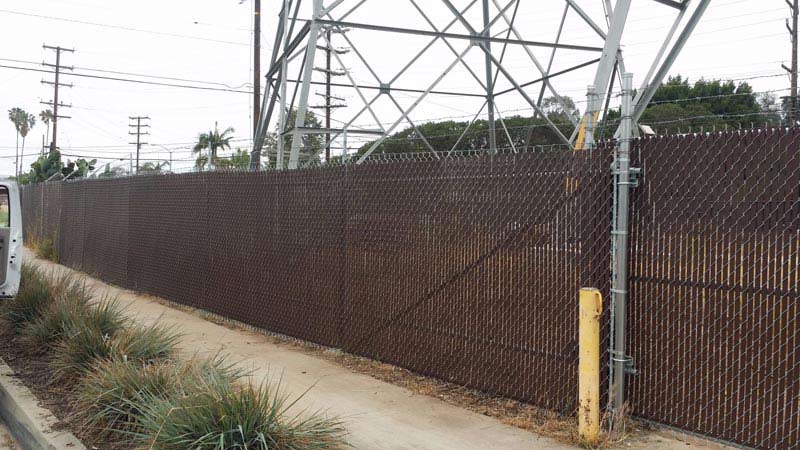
(378, 415)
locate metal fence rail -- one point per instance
(468, 268)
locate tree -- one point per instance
(213, 141)
(111, 172)
(23, 122)
(519, 131)
(239, 161)
(153, 167)
(201, 162)
(310, 148)
(50, 165)
(80, 168)
(45, 167)
(680, 106)
(559, 109)
(46, 116)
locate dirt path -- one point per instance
(377, 414)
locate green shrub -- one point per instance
(222, 416)
(109, 398)
(33, 296)
(82, 347)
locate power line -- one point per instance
(122, 27)
(128, 80)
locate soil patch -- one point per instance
(33, 370)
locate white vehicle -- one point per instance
(10, 238)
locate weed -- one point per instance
(45, 248)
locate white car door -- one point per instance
(10, 238)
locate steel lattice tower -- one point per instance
(476, 36)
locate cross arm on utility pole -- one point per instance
(56, 84)
(57, 48)
(61, 67)
(60, 105)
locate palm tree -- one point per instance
(213, 141)
(153, 167)
(23, 122)
(200, 163)
(46, 116)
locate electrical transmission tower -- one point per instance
(473, 41)
(136, 122)
(56, 83)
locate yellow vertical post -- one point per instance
(591, 307)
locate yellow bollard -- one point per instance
(591, 307)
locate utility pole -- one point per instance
(138, 133)
(328, 95)
(256, 64)
(56, 84)
(328, 35)
(793, 5)
(489, 80)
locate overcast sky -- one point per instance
(207, 43)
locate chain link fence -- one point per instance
(467, 268)
(462, 268)
(714, 320)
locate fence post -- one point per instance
(619, 235)
(590, 310)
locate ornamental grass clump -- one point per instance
(109, 399)
(82, 348)
(68, 314)
(220, 415)
(32, 298)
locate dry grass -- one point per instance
(43, 246)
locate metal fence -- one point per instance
(468, 269)
(715, 308)
(465, 269)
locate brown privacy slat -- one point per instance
(463, 269)
(468, 269)
(723, 323)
